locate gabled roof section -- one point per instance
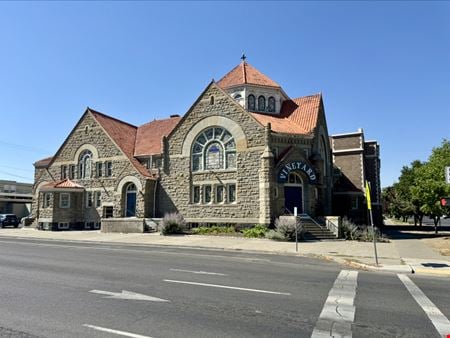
(149, 135)
(297, 116)
(123, 135)
(245, 73)
(64, 184)
(44, 163)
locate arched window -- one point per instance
(295, 178)
(130, 200)
(261, 103)
(271, 104)
(324, 155)
(251, 102)
(84, 164)
(214, 148)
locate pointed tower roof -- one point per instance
(245, 73)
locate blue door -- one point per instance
(293, 197)
(130, 202)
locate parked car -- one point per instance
(9, 220)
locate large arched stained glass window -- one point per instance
(214, 148)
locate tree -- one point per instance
(429, 183)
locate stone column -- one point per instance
(265, 181)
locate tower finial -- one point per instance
(243, 57)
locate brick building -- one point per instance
(356, 161)
(245, 152)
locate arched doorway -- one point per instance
(293, 193)
(130, 200)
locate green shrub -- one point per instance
(173, 223)
(275, 235)
(258, 231)
(366, 235)
(285, 230)
(348, 230)
(213, 230)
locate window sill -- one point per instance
(213, 204)
(199, 172)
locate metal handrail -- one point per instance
(334, 227)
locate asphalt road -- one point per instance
(64, 289)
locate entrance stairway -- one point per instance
(314, 231)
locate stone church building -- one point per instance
(245, 152)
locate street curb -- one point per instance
(196, 247)
(400, 269)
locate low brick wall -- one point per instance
(124, 225)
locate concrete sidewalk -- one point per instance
(397, 256)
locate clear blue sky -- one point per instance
(384, 67)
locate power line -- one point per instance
(14, 175)
(24, 147)
(15, 168)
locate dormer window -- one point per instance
(271, 104)
(251, 102)
(261, 103)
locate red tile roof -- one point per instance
(123, 134)
(297, 116)
(245, 74)
(149, 136)
(43, 163)
(64, 184)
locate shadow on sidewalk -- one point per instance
(414, 232)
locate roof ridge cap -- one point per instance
(111, 117)
(157, 120)
(244, 71)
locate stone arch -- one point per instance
(233, 127)
(129, 179)
(84, 147)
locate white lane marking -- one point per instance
(128, 295)
(200, 272)
(338, 312)
(226, 287)
(440, 322)
(247, 259)
(117, 332)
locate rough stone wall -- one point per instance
(90, 135)
(74, 213)
(177, 178)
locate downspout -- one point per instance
(154, 197)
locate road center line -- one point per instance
(117, 332)
(440, 322)
(227, 287)
(338, 312)
(200, 272)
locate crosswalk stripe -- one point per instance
(338, 312)
(440, 322)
